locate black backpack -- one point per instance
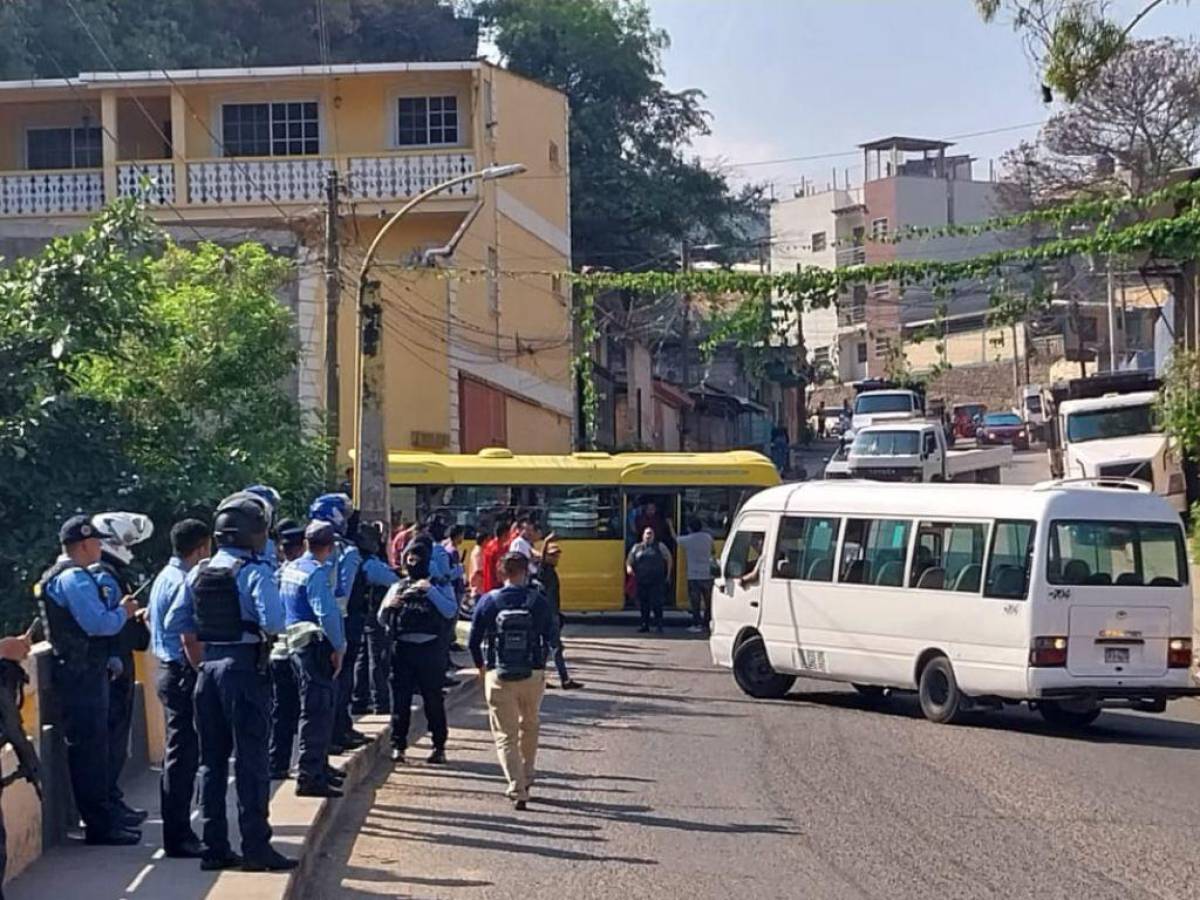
(518, 649)
(416, 614)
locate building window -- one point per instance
(882, 347)
(427, 121)
(822, 359)
(879, 228)
(63, 148)
(271, 129)
(862, 352)
(818, 242)
(881, 289)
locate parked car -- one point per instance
(966, 417)
(1003, 428)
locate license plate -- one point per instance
(1114, 655)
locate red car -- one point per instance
(1003, 428)
(966, 418)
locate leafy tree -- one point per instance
(635, 195)
(1071, 41)
(139, 375)
(1140, 115)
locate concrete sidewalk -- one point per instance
(75, 870)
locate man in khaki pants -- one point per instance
(515, 628)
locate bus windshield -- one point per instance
(887, 443)
(1126, 554)
(883, 403)
(1111, 423)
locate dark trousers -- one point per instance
(3, 853)
(342, 723)
(372, 668)
(700, 600)
(83, 692)
(120, 719)
(232, 701)
(418, 668)
(650, 599)
(313, 667)
(285, 714)
(448, 639)
(175, 683)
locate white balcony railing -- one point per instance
(217, 182)
(49, 192)
(153, 183)
(389, 177)
(854, 314)
(851, 256)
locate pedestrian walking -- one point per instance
(285, 692)
(649, 562)
(318, 646)
(81, 629)
(232, 605)
(373, 666)
(414, 614)
(697, 547)
(552, 590)
(512, 632)
(175, 683)
(493, 549)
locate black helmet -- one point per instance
(241, 522)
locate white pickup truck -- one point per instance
(917, 452)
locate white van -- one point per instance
(1071, 596)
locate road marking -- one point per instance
(139, 878)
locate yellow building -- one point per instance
(477, 343)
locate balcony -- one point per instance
(852, 315)
(391, 176)
(51, 192)
(851, 256)
(257, 180)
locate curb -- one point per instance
(358, 765)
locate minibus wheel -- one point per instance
(753, 673)
(941, 700)
(1068, 714)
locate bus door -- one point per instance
(658, 508)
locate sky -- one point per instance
(788, 78)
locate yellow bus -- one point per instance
(591, 501)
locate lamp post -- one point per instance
(370, 458)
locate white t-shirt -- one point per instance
(697, 548)
(522, 546)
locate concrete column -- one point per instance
(108, 143)
(179, 117)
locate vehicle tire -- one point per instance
(753, 673)
(872, 692)
(1068, 715)
(941, 700)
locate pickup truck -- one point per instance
(917, 452)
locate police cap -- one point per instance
(76, 529)
(291, 532)
(318, 533)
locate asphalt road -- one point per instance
(661, 779)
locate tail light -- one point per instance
(1179, 653)
(1048, 652)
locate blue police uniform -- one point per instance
(81, 683)
(307, 591)
(232, 706)
(354, 578)
(120, 686)
(175, 683)
(285, 702)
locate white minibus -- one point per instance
(1071, 596)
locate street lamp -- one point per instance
(370, 457)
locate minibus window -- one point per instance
(744, 554)
(879, 549)
(949, 556)
(715, 507)
(1010, 560)
(805, 548)
(1125, 554)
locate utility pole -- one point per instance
(1112, 315)
(685, 373)
(333, 299)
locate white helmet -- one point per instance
(118, 531)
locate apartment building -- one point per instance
(908, 183)
(477, 342)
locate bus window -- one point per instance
(1126, 554)
(949, 556)
(1010, 560)
(744, 554)
(715, 507)
(581, 512)
(879, 547)
(805, 548)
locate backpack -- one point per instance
(417, 614)
(516, 644)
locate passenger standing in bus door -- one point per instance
(650, 565)
(697, 546)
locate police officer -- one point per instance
(232, 605)
(81, 629)
(272, 499)
(175, 682)
(371, 692)
(285, 695)
(318, 642)
(119, 531)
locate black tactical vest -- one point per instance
(73, 647)
(416, 614)
(218, 605)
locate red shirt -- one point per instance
(493, 549)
